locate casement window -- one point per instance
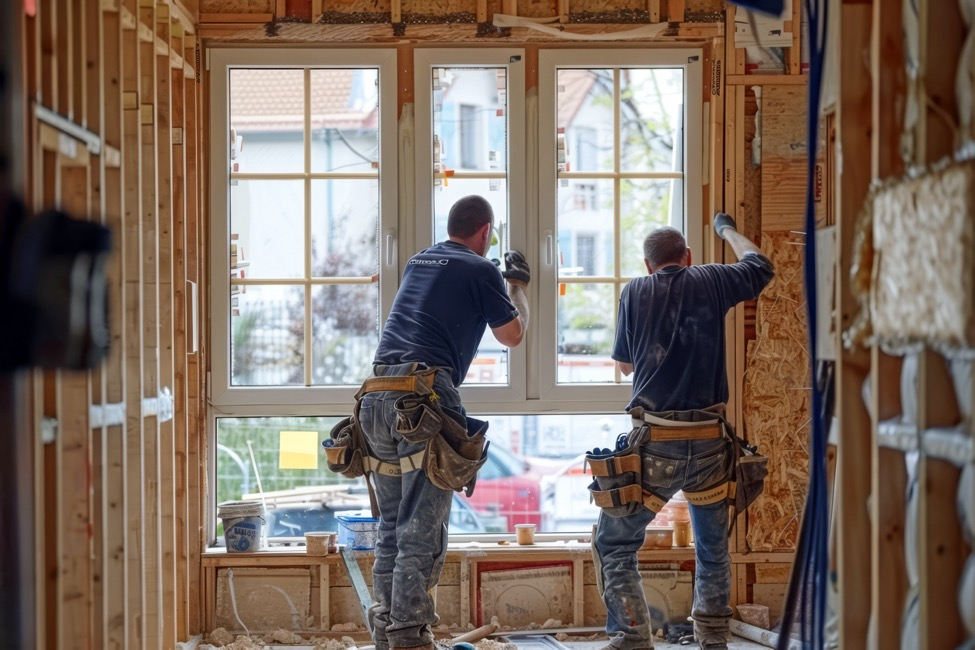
(620, 152)
(318, 199)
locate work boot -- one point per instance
(711, 633)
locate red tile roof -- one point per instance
(264, 99)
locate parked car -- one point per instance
(285, 519)
(508, 490)
(565, 498)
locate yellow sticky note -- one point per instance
(299, 450)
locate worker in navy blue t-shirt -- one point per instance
(671, 337)
(449, 295)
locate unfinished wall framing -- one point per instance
(113, 137)
(121, 542)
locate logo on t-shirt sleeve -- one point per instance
(441, 262)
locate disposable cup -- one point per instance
(525, 533)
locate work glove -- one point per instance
(516, 269)
(721, 222)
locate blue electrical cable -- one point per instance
(808, 583)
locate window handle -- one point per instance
(390, 245)
(549, 243)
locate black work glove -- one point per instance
(721, 222)
(516, 269)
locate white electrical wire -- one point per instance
(233, 600)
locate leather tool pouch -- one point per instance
(617, 487)
(454, 457)
(417, 419)
(750, 472)
(346, 448)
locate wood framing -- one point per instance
(854, 454)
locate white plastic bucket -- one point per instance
(243, 525)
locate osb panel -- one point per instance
(784, 153)
(236, 6)
(924, 259)
(772, 573)
(704, 6)
(776, 401)
(339, 577)
(433, 7)
(448, 603)
(773, 597)
(343, 606)
(263, 599)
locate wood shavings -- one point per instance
(776, 399)
(491, 644)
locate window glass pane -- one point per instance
(586, 316)
(651, 106)
(586, 233)
(534, 473)
(605, 204)
(490, 366)
(344, 124)
(346, 332)
(646, 204)
(345, 214)
(267, 329)
(469, 119)
(267, 222)
(267, 116)
(586, 118)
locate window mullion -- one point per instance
(309, 360)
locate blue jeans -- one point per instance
(670, 466)
(413, 516)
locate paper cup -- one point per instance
(525, 533)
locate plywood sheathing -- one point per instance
(783, 117)
(776, 401)
(236, 6)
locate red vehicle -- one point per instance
(506, 488)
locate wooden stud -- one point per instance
(766, 80)
(481, 10)
(563, 11)
(509, 7)
(195, 372)
(854, 453)
(180, 420)
(114, 448)
(134, 459)
(675, 10)
(73, 446)
(653, 9)
(217, 19)
(793, 55)
(150, 324)
(396, 11)
(165, 242)
(280, 9)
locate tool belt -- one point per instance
(456, 445)
(618, 486)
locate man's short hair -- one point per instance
(665, 245)
(467, 216)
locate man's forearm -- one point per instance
(739, 243)
(518, 298)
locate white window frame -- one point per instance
(291, 400)
(596, 398)
(482, 398)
